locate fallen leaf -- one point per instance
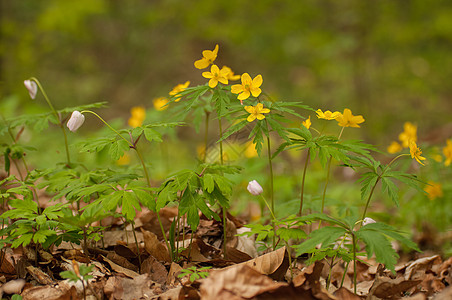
(173, 272)
(344, 294)
(122, 261)
(154, 247)
(385, 288)
(446, 294)
(157, 272)
(416, 269)
(49, 292)
(119, 269)
(274, 264)
(240, 282)
(128, 289)
(39, 275)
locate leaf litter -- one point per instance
(117, 274)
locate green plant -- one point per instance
(194, 273)
(79, 273)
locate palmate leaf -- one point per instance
(324, 236)
(391, 189)
(374, 235)
(117, 149)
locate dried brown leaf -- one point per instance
(239, 282)
(274, 264)
(119, 269)
(157, 272)
(128, 289)
(49, 292)
(154, 247)
(39, 275)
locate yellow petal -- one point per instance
(265, 110)
(251, 118)
(213, 82)
(223, 80)
(246, 79)
(257, 81)
(201, 64)
(255, 91)
(260, 117)
(207, 75)
(249, 109)
(236, 89)
(244, 95)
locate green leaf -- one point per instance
(377, 243)
(324, 236)
(129, 205)
(117, 149)
(208, 182)
(152, 135)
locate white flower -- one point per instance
(75, 121)
(254, 188)
(368, 221)
(32, 88)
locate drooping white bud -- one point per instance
(32, 88)
(75, 121)
(368, 221)
(255, 188)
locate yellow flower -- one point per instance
(256, 112)
(327, 115)
(416, 152)
(216, 75)
(231, 76)
(307, 123)
(347, 119)
(123, 160)
(160, 103)
(179, 88)
(437, 157)
(433, 190)
(248, 86)
(250, 150)
(208, 57)
(447, 151)
(394, 147)
(138, 115)
(409, 134)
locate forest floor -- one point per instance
(119, 273)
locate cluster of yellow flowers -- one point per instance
(345, 119)
(408, 139)
(138, 114)
(409, 134)
(249, 86)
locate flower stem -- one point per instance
(206, 136)
(223, 208)
(354, 261)
(68, 157)
(376, 182)
(270, 166)
(302, 183)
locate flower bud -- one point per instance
(254, 188)
(368, 221)
(32, 88)
(75, 121)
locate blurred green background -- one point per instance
(387, 60)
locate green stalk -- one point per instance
(136, 244)
(57, 117)
(270, 165)
(302, 183)
(206, 136)
(223, 208)
(376, 182)
(354, 262)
